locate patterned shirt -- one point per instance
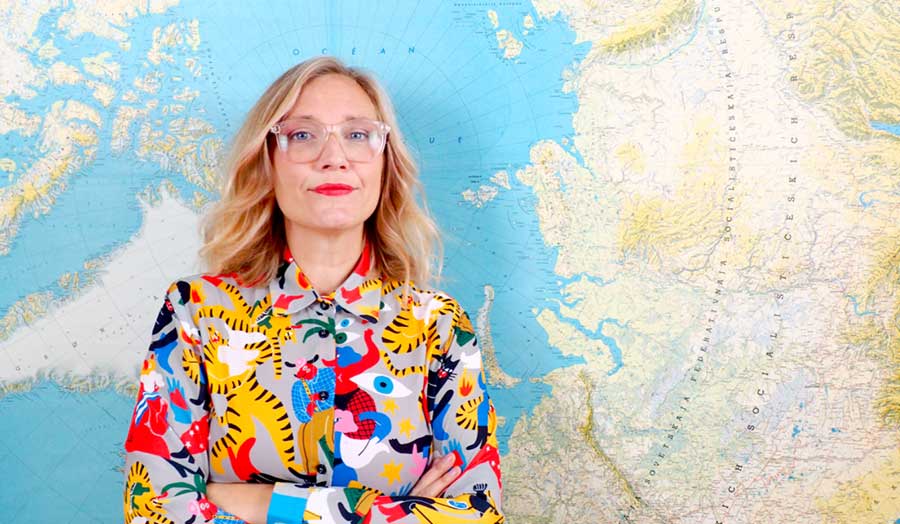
(341, 401)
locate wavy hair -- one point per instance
(243, 233)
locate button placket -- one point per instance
(328, 347)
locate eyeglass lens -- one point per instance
(360, 139)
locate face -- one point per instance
(330, 99)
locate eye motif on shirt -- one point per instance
(382, 385)
(325, 329)
(342, 337)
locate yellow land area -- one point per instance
(495, 374)
(528, 22)
(657, 227)
(36, 189)
(510, 45)
(101, 66)
(14, 119)
(880, 294)
(106, 19)
(632, 158)
(48, 51)
(654, 27)
(492, 16)
(845, 56)
(557, 469)
(186, 94)
(149, 83)
(61, 73)
(104, 93)
(25, 311)
(7, 164)
(189, 147)
(173, 35)
(873, 497)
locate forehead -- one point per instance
(333, 98)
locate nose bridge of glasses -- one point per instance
(336, 130)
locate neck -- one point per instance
(326, 257)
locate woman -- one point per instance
(339, 392)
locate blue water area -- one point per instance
(856, 310)
(892, 128)
(869, 198)
(62, 453)
(615, 352)
(835, 430)
(795, 431)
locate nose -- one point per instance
(332, 155)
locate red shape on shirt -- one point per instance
(196, 437)
(488, 454)
(240, 461)
(146, 435)
(351, 296)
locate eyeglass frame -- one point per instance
(282, 139)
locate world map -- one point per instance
(675, 224)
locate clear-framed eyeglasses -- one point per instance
(303, 139)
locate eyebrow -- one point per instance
(346, 117)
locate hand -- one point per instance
(250, 502)
(440, 474)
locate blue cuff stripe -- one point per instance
(284, 509)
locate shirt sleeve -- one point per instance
(166, 463)
(463, 422)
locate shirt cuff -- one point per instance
(287, 505)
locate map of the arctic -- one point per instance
(675, 223)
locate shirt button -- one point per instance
(323, 395)
(324, 306)
(321, 469)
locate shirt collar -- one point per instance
(292, 291)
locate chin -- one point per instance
(336, 226)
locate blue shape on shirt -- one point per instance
(346, 356)
(301, 399)
(163, 349)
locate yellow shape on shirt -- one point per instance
(406, 426)
(392, 472)
(390, 406)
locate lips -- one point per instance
(333, 189)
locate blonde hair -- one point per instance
(244, 231)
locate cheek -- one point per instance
(374, 183)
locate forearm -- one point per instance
(249, 502)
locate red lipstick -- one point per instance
(333, 189)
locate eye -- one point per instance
(345, 337)
(381, 384)
(301, 136)
(358, 136)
